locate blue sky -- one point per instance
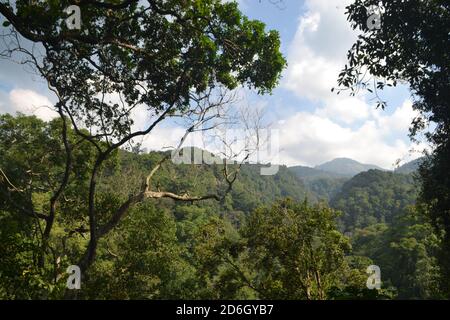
(314, 124)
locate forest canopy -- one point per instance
(79, 191)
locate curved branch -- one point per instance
(32, 212)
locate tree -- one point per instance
(32, 167)
(411, 47)
(405, 251)
(171, 59)
(372, 197)
(143, 260)
(295, 250)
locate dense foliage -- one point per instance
(70, 192)
(372, 197)
(252, 244)
(405, 250)
(411, 47)
(165, 59)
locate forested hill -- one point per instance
(410, 167)
(308, 173)
(374, 196)
(334, 169)
(204, 249)
(370, 197)
(374, 205)
(326, 180)
(249, 191)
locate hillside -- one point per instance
(250, 190)
(409, 167)
(372, 197)
(190, 249)
(325, 180)
(308, 173)
(297, 123)
(325, 188)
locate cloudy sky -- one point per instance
(314, 124)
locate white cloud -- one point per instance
(341, 125)
(318, 51)
(3, 105)
(163, 138)
(309, 138)
(345, 109)
(400, 121)
(32, 103)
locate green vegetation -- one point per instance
(252, 244)
(412, 47)
(173, 59)
(373, 197)
(405, 250)
(73, 191)
(410, 167)
(325, 189)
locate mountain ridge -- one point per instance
(336, 168)
(410, 167)
(326, 184)
(346, 166)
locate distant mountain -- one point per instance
(308, 173)
(346, 167)
(250, 190)
(322, 184)
(326, 180)
(409, 167)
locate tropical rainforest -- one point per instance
(251, 244)
(78, 189)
